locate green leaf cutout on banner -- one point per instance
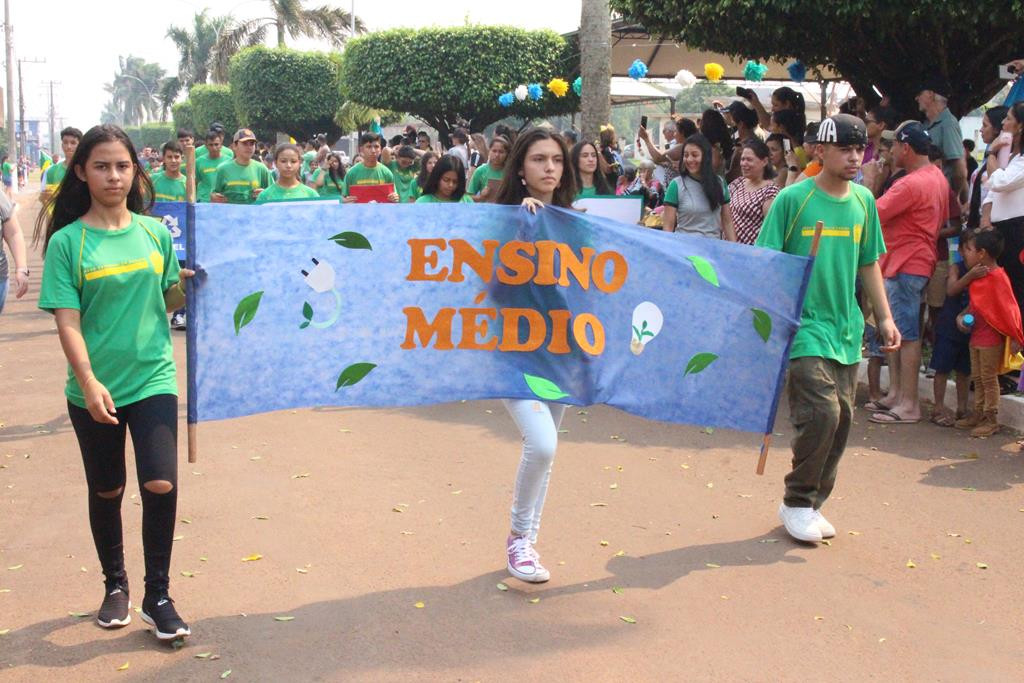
(699, 362)
(353, 374)
(704, 269)
(762, 323)
(307, 310)
(351, 240)
(246, 310)
(544, 388)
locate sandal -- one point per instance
(943, 419)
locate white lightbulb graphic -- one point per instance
(647, 322)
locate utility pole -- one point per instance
(12, 145)
(21, 102)
(53, 118)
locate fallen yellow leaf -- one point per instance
(712, 565)
(4, 632)
(419, 605)
(614, 486)
(455, 493)
(628, 620)
(123, 667)
(910, 564)
(685, 466)
(936, 556)
(619, 554)
(252, 558)
(853, 533)
(604, 543)
(187, 574)
(203, 655)
(228, 672)
(981, 565)
(301, 570)
(177, 538)
(15, 567)
(502, 587)
(599, 505)
(283, 618)
(710, 485)
(300, 476)
(819, 618)
(533, 601)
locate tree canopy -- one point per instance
(284, 90)
(453, 76)
(890, 45)
(213, 103)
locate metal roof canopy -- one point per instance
(665, 58)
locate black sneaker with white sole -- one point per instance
(115, 611)
(158, 611)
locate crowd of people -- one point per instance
(915, 241)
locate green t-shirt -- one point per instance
(831, 324)
(225, 153)
(307, 160)
(361, 175)
(276, 193)
(8, 169)
(329, 189)
(587, 192)
(168, 189)
(236, 182)
(481, 176)
(116, 279)
(55, 175)
(404, 180)
(206, 174)
(434, 199)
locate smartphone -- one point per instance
(1007, 72)
(745, 93)
(787, 145)
(643, 121)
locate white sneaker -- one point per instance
(800, 523)
(524, 562)
(827, 530)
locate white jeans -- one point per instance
(538, 422)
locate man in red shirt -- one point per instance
(912, 211)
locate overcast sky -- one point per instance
(81, 41)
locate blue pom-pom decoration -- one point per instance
(797, 71)
(535, 90)
(754, 71)
(637, 69)
(506, 99)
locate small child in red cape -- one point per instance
(997, 324)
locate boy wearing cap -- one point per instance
(240, 180)
(826, 351)
(944, 129)
(912, 211)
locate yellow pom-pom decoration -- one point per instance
(558, 87)
(714, 72)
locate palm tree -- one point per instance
(196, 47)
(134, 89)
(288, 17)
(595, 66)
(111, 114)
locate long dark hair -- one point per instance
(709, 180)
(716, 132)
(796, 103)
(421, 178)
(447, 162)
(513, 187)
(600, 183)
(761, 151)
(336, 176)
(792, 124)
(1018, 113)
(72, 199)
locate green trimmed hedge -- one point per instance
(287, 91)
(184, 115)
(152, 134)
(212, 103)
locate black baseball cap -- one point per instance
(937, 83)
(843, 129)
(914, 134)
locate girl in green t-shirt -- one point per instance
(110, 278)
(447, 182)
(589, 183)
(287, 187)
(427, 163)
(329, 182)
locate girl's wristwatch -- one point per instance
(794, 168)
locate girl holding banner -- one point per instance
(535, 175)
(111, 276)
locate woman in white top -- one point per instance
(1006, 198)
(997, 155)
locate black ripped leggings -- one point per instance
(153, 423)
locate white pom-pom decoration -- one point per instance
(686, 78)
(522, 92)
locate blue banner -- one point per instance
(374, 305)
(174, 216)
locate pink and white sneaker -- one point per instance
(524, 562)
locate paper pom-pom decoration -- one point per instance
(577, 86)
(754, 71)
(521, 92)
(535, 91)
(506, 99)
(637, 69)
(558, 87)
(714, 71)
(686, 78)
(797, 71)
